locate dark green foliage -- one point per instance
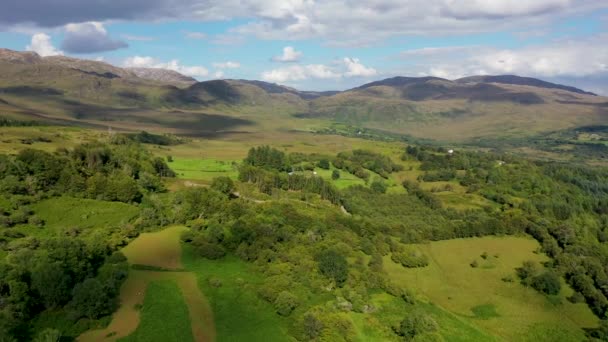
(52, 284)
(333, 265)
(357, 160)
(546, 282)
(149, 138)
(335, 175)
(224, 185)
(267, 158)
(378, 186)
(324, 164)
(92, 300)
(209, 250)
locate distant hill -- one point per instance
(162, 75)
(84, 92)
(518, 80)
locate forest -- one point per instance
(323, 252)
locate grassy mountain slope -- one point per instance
(95, 94)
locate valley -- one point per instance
(140, 205)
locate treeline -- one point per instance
(357, 161)
(109, 172)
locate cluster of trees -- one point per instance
(267, 180)
(109, 172)
(357, 161)
(77, 274)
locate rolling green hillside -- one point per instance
(68, 91)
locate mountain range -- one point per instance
(93, 93)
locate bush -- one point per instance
(333, 265)
(379, 186)
(547, 282)
(324, 164)
(224, 185)
(416, 324)
(285, 303)
(209, 250)
(335, 174)
(410, 259)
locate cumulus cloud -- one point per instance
(42, 45)
(299, 73)
(227, 65)
(89, 37)
(345, 68)
(175, 65)
(219, 74)
(565, 58)
(289, 55)
(336, 21)
(355, 68)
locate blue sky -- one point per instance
(334, 44)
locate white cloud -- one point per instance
(219, 74)
(299, 73)
(559, 60)
(355, 68)
(345, 68)
(175, 65)
(227, 65)
(337, 22)
(42, 45)
(289, 55)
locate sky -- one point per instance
(324, 44)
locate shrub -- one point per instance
(285, 303)
(333, 265)
(417, 323)
(324, 164)
(335, 174)
(547, 282)
(224, 185)
(410, 259)
(378, 186)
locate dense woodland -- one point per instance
(306, 249)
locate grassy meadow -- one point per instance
(484, 298)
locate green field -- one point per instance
(83, 213)
(480, 297)
(203, 169)
(164, 315)
(239, 314)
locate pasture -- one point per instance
(147, 296)
(482, 298)
(239, 314)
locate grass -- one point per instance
(479, 296)
(203, 169)
(164, 315)
(239, 314)
(68, 212)
(159, 249)
(154, 257)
